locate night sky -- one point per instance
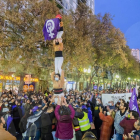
(126, 17)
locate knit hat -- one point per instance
(58, 16)
(84, 107)
(35, 108)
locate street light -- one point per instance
(117, 76)
(85, 70)
(89, 71)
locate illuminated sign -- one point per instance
(9, 78)
(27, 79)
(32, 79)
(16, 78)
(28, 88)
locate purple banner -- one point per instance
(95, 87)
(51, 28)
(133, 102)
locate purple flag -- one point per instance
(133, 102)
(51, 28)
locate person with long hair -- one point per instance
(107, 122)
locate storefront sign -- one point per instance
(27, 79)
(71, 82)
(9, 78)
(0, 87)
(29, 87)
(16, 78)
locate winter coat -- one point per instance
(27, 107)
(5, 135)
(90, 115)
(118, 119)
(106, 127)
(46, 122)
(10, 126)
(64, 126)
(17, 112)
(128, 125)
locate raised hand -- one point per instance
(59, 102)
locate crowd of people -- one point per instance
(75, 116)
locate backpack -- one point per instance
(31, 131)
(75, 122)
(31, 126)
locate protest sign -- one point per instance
(115, 97)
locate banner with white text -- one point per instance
(115, 97)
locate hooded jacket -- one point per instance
(64, 125)
(46, 122)
(118, 119)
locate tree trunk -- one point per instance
(111, 82)
(21, 83)
(76, 85)
(89, 85)
(98, 84)
(104, 83)
(77, 79)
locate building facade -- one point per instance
(72, 4)
(136, 53)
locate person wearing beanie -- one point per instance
(60, 32)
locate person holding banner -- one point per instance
(51, 28)
(60, 32)
(58, 48)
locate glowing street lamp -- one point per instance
(85, 70)
(89, 71)
(117, 76)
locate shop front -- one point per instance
(13, 82)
